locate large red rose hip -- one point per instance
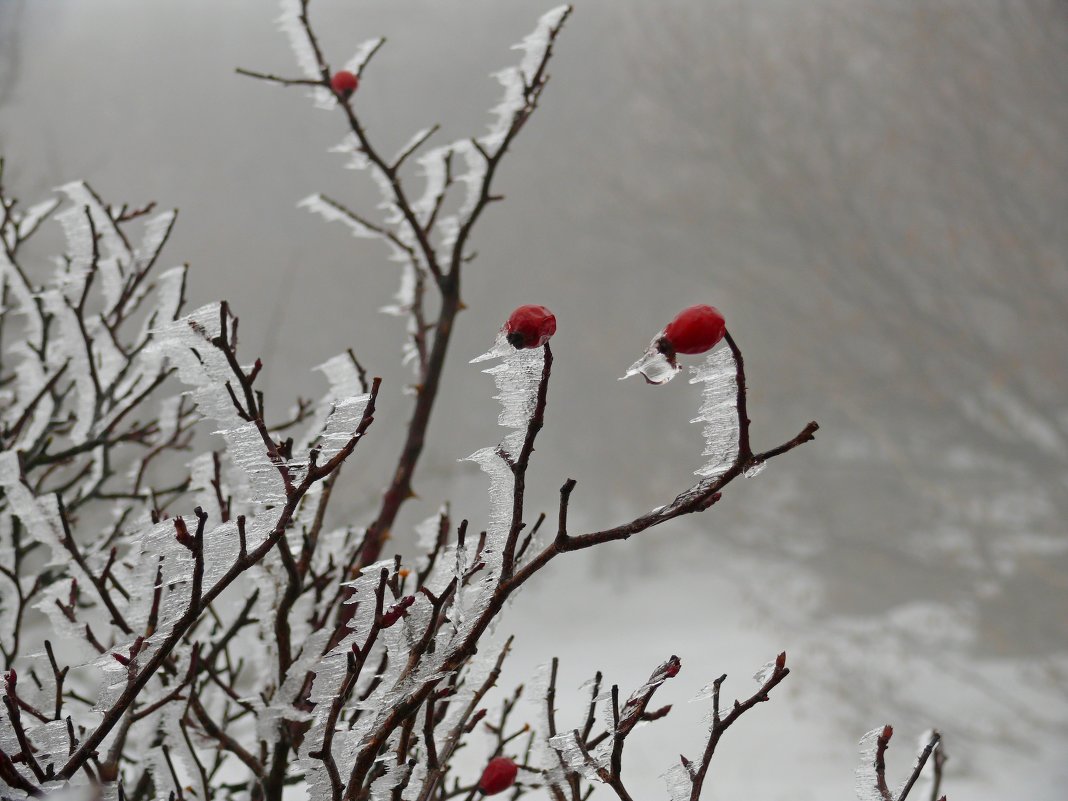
(694, 330)
(529, 327)
(498, 776)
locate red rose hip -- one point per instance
(344, 83)
(498, 776)
(529, 327)
(694, 330)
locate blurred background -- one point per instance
(875, 195)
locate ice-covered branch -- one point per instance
(411, 224)
(686, 779)
(871, 782)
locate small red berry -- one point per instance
(498, 776)
(344, 83)
(694, 330)
(530, 327)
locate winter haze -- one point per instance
(876, 196)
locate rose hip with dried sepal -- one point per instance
(694, 330)
(529, 327)
(344, 83)
(498, 776)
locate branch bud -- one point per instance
(397, 611)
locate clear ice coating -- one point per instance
(585, 764)
(654, 366)
(679, 783)
(765, 672)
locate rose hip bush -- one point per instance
(190, 623)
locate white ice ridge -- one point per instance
(363, 52)
(516, 79)
(719, 411)
(866, 783)
(290, 24)
(517, 378)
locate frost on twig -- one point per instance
(101, 338)
(221, 624)
(871, 782)
(518, 378)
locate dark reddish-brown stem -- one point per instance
(200, 600)
(921, 760)
(720, 724)
(881, 744)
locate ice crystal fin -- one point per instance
(417, 138)
(866, 783)
(115, 253)
(290, 24)
(28, 221)
(363, 52)
(432, 167)
(679, 782)
(501, 347)
(343, 376)
(156, 232)
(24, 295)
(516, 79)
(586, 764)
(405, 295)
(719, 412)
(317, 204)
